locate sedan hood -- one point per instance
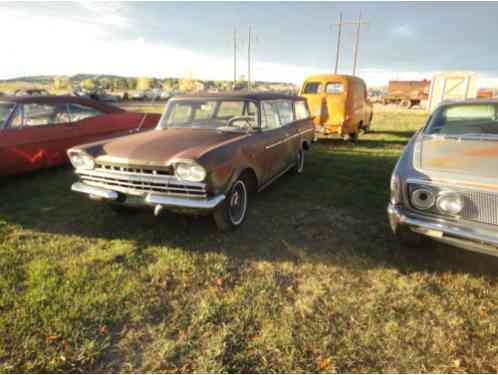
(159, 146)
(459, 156)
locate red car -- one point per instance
(35, 132)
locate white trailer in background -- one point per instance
(451, 86)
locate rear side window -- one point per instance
(312, 88)
(301, 110)
(5, 110)
(80, 112)
(29, 115)
(334, 88)
(285, 112)
(269, 116)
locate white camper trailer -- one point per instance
(451, 86)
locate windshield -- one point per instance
(229, 115)
(465, 120)
(5, 109)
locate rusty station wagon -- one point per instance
(205, 155)
(445, 185)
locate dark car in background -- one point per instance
(207, 153)
(445, 185)
(35, 132)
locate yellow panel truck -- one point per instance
(339, 104)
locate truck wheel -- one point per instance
(230, 214)
(406, 103)
(353, 137)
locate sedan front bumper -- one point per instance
(469, 236)
(149, 199)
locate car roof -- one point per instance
(103, 107)
(249, 95)
(332, 77)
(469, 101)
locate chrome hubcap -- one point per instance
(238, 203)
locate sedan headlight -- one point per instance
(190, 171)
(423, 198)
(81, 160)
(449, 202)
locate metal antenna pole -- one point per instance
(338, 51)
(234, 57)
(249, 61)
(356, 44)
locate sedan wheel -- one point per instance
(232, 212)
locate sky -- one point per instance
(406, 40)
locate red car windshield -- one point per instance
(5, 110)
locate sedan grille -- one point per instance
(480, 206)
(153, 171)
(138, 183)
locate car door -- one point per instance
(274, 138)
(36, 137)
(291, 130)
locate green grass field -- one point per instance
(312, 282)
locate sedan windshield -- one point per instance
(5, 110)
(465, 120)
(224, 115)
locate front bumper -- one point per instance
(148, 199)
(467, 236)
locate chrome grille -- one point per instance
(153, 171)
(142, 183)
(480, 206)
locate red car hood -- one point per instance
(159, 146)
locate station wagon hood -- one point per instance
(157, 147)
(460, 157)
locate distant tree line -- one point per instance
(110, 83)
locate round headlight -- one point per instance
(449, 202)
(81, 160)
(423, 198)
(190, 172)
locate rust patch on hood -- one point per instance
(461, 156)
(158, 147)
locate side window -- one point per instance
(312, 88)
(285, 112)
(40, 114)
(80, 112)
(301, 110)
(250, 109)
(269, 116)
(230, 109)
(334, 88)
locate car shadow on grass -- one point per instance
(301, 219)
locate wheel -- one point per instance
(232, 212)
(299, 167)
(406, 103)
(353, 137)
